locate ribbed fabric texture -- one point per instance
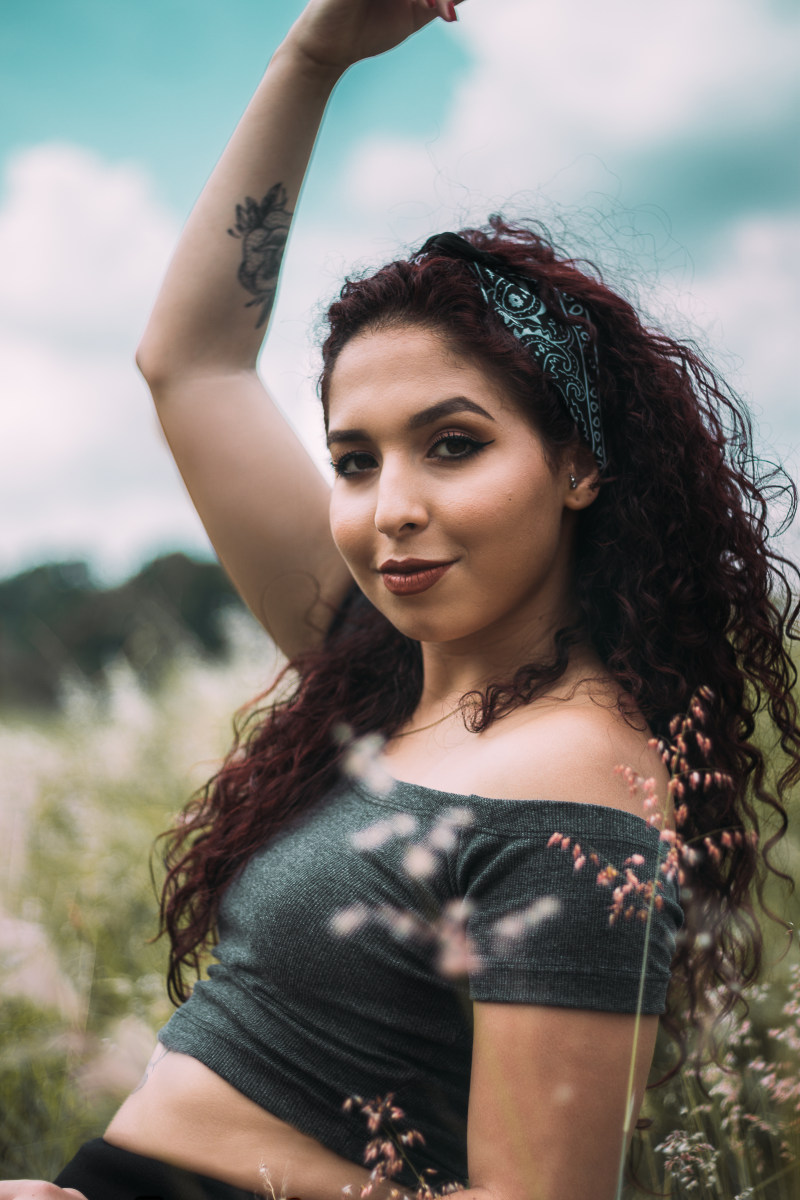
(351, 947)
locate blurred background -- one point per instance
(659, 140)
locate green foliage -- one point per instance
(103, 909)
(95, 783)
(55, 622)
(92, 787)
(45, 1118)
(730, 1130)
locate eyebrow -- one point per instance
(425, 416)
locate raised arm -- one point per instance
(260, 497)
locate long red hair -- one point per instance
(678, 583)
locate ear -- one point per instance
(581, 479)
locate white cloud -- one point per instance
(84, 471)
(82, 243)
(557, 88)
(750, 305)
(743, 309)
(624, 70)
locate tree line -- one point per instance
(56, 621)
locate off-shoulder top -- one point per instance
(352, 946)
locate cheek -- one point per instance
(349, 530)
(505, 515)
(514, 531)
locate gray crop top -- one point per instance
(342, 968)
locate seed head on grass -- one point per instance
(387, 1150)
(690, 1160)
(445, 926)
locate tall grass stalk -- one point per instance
(629, 1093)
(85, 794)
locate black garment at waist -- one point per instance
(105, 1172)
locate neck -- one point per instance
(495, 653)
(453, 669)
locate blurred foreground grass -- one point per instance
(84, 793)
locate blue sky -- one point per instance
(162, 82)
(660, 138)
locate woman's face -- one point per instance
(444, 507)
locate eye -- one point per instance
(453, 445)
(357, 462)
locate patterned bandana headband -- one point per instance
(564, 351)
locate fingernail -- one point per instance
(451, 9)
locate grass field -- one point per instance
(82, 797)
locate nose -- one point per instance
(400, 506)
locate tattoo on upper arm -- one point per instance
(263, 229)
(160, 1052)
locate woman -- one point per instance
(556, 549)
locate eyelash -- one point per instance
(474, 447)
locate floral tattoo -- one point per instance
(263, 229)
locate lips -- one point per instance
(409, 576)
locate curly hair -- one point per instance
(678, 586)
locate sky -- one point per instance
(660, 138)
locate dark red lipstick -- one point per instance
(409, 576)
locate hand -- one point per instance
(35, 1189)
(334, 34)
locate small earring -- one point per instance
(573, 483)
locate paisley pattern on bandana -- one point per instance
(563, 351)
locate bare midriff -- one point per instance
(185, 1114)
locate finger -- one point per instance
(428, 11)
(441, 8)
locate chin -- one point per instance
(433, 626)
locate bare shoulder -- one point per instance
(572, 749)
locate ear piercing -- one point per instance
(573, 483)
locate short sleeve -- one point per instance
(540, 917)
